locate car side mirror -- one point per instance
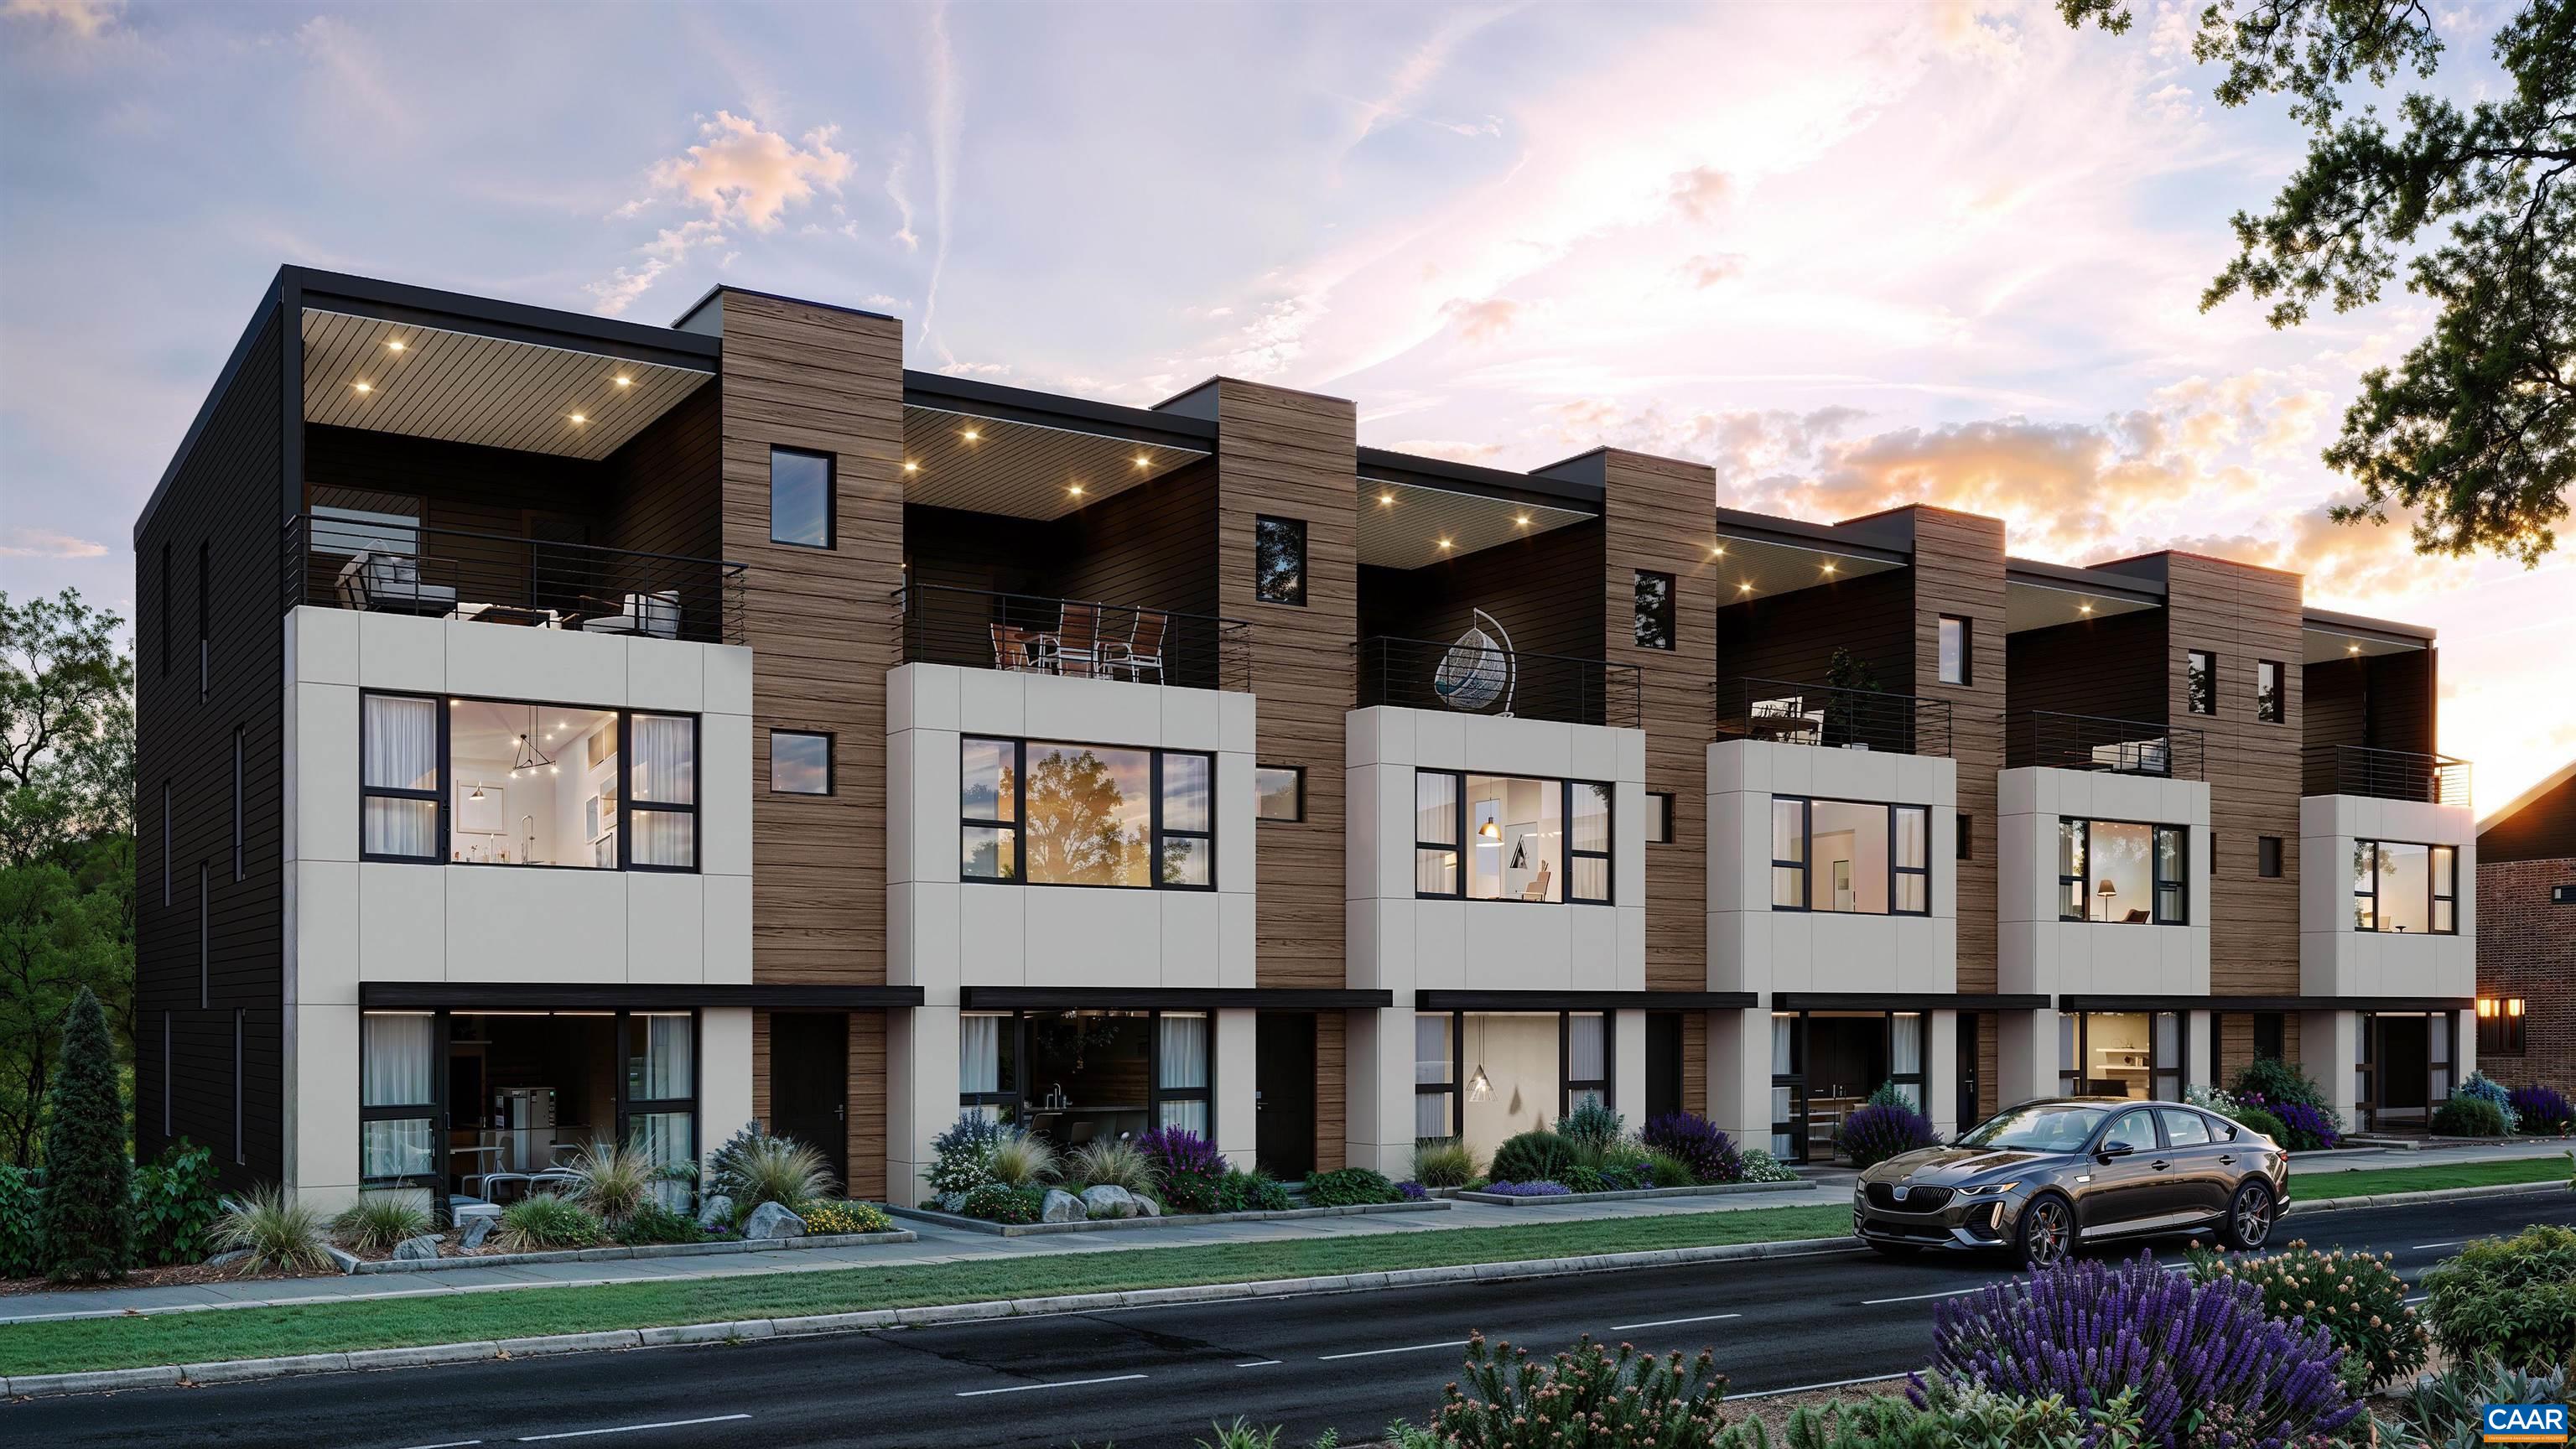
(2115, 1149)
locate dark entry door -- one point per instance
(1284, 1093)
(2405, 1058)
(809, 1084)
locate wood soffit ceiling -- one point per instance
(466, 388)
(1404, 525)
(1760, 568)
(2320, 643)
(1019, 469)
(2038, 606)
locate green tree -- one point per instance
(2475, 428)
(1076, 832)
(67, 917)
(89, 1204)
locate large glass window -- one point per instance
(2403, 888)
(1279, 560)
(1040, 812)
(1826, 1064)
(1506, 838)
(800, 498)
(2122, 872)
(1082, 1076)
(497, 782)
(398, 773)
(2200, 679)
(1850, 857)
(2122, 1054)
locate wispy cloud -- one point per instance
(897, 188)
(1415, 73)
(39, 543)
(739, 174)
(86, 19)
(946, 126)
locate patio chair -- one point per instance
(1141, 650)
(1076, 643)
(390, 583)
(493, 1182)
(650, 616)
(1016, 649)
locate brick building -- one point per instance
(2527, 936)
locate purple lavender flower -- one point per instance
(2195, 1353)
(1413, 1191)
(1708, 1152)
(1529, 1189)
(1874, 1134)
(2542, 1109)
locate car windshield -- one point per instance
(2039, 1128)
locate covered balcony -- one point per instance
(386, 562)
(1784, 712)
(1071, 638)
(1477, 675)
(2050, 740)
(2384, 774)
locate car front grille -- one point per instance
(1882, 1196)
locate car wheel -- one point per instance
(2047, 1233)
(1894, 1250)
(2249, 1217)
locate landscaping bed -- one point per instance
(488, 1257)
(1710, 1189)
(1018, 1230)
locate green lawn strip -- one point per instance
(100, 1343)
(2313, 1187)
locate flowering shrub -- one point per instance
(1586, 1395)
(844, 1217)
(996, 1203)
(2356, 1298)
(2304, 1128)
(958, 1155)
(2487, 1089)
(1761, 1166)
(2277, 1087)
(1350, 1187)
(2198, 1354)
(1413, 1191)
(2211, 1099)
(1874, 1134)
(1189, 1165)
(1592, 1125)
(2512, 1300)
(1529, 1189)
(1709, 1153)
(2542, 1109)
(2258, 1120)
(1532, 1157)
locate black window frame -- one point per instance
(2268, 857)
(205, 934)
(1157, 831)
(169, 838)
(2161, 1073)
(2271, 692)
(2200, 681)
(169, 636)
(1011, 1095)
(1266, 527)
(1457, 848)
(205, 620)
(1659, 817)
(626, 801)
(168, 1117)
(831, 497)
(831, 762)
(1967, 650)
(241, 1153)
(1605, 1084)
(2503, 1026)
(241, 855)
(1655, 622)
(1796, 1126)
(1964, 825)
(1806, 866)
(2157, 882)
(1297, 774)
(2438, 891)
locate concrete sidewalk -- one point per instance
(937, 1244)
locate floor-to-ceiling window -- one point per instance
(2137, 1054)
(1484, 1076)
(1081, 1076)
(1826, 1064)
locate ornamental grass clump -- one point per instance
(1110, 1162)
(534, 1224)
(2542, 1111)
(1586, 1395)
(1446, 1162)
(2356, 1298)
(1874, 1134)
(753, 1168)
(2512, 1300)
(276, 1230)
(1707, 1152)
(1019, 1159)
(379, 1220)
(2196, 1353)
(613, 1182)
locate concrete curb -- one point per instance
(1714, 1189)
(1172, 1220)
(242, 1370)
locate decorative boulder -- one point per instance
(1108, 1202)
(413, 1250)
(477, 1228)
(716, 1212)
(770, 1220)
(1145, 1208)
(1063, 1207)
(226, 1260)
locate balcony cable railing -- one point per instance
(2093, 742)
(1073, 638)
(1474, 678)
(2384, 774)
(404, 568)
(1786, 712)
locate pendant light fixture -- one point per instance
(1480, 1088)
(530, 759)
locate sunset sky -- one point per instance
(1852, 255)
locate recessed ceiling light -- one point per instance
(1144, 462)
(1523, 520)
(1744, 588)
(626, 382)
(394, 346)
(1385, 499)
(1075, 490)
(1829, 568)
(578, 418)
(1444, 543)
(911, 467)
(2352, 649)
(1717, 551)
(362, 387)
(970, 435)
(2084, 608)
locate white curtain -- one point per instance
(979, 1053)
(665, 771)
(1189, 1116)
(399, 751)
(1183, 1054)
(394, 1057)
(1586, 1048)
(662, 1070)
(1432, 1059)
(1905, 1055)
(1784, 1028)
(667, 1139)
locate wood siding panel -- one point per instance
(1332, 1076)
(820, 624)
(1694, 1062)
(2243, 613)
(1543, 590)
(1959, 571)
(1154, 546)
(2113, 668)
(1793, 636)
(226, 497)
(1296, 455)
(866, 1113)
(1645, 501)
(666, 486)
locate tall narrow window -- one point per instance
(2271, 704)
(398, 777)
(988, 797)
(800, 498)
(168, 833)
(800, 763)
(2446, 887)
(1966, 848)
(2200, 672)
(1587, 842)
(1186, 844)
(1659, 817)
(1587, 1059)
(2271, 1033)
(240, 861)
(1654, 610)
(1279, 560)
(1913, 824)
(2267, 856)
(2073, 844)
(169, 644)
(166, 1120)
(1435, 833)
(662, 793)
(1789, 855)
(240, 1154)
(1181, 1070)
(2171, 853)
(1956, 663)
(205, 935)
(205, 621)
(397, 1095)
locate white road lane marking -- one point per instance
(450, 1444)
(1802, 1388)
(1374, 1352)
(1260, 1363)
(1066, 1384)
(1668, 1322)
(2428, 1247)
(630, 1428)
(1919, 1297)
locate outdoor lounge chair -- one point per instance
(389, 583)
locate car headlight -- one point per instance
(1988, 1189)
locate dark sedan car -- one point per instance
(2036, 1179)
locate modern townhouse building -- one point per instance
(596, 731)
(2526, 942)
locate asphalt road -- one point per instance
(1146, 1378)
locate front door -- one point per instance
(2405, 1060)
(1283, 1078)
(809, 1083)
